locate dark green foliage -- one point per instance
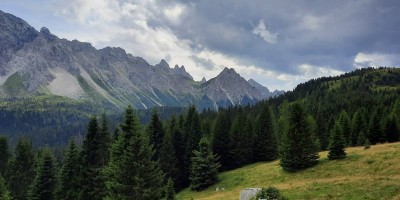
(179, 147)
(337, 142)
(69, 188)
(167, 158)
(390, 129)
(44, 184)
(191, 136)
(375, 134)
(95, 153)
(204, 169)
(156, 134)
(359, 127)
(4, 155)
(4, 192)
(169, 192)
(345, 125)
(265, 142)
(298, 149)
(241, 141)
(131, 173)
(220, 142)
(270, 193)
(20, 172)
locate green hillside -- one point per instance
(365, 174)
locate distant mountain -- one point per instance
(265, 93)
(40, 63)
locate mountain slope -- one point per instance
(110, 77)
(365, 174)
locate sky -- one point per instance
(278, 43)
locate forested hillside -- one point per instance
(359, 108)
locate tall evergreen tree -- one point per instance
(390, 130)
(337, 143)
(265, 142)
(169, 192)
(359, 126)
(374, 129)
(346, 127)
(298, 149)
(178, 142)
(167, 158)
(192, 135)
(131, 173)
(204, 169)
(94, 156)
(69, 188)
(4, 192)
(4, 155)
(241, 141)
(44, 184)
(20, 172)
(221, 140)
(156, 133)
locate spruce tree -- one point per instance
(178, 142)
(390, 129)
(44, 184)
(155, 132)
(4, 155)
(204, 169)
(221, 140)
(346, 127)
(265, 142)
(69, 188)
(169, 192)
(20, 172)
(298, 149)
(241, 141)
(131, 173)
(337, 143)
(94, 156)
(167, 158)
(359, 126)
(374, 128)
(4, 192)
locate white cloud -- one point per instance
(311, 22)
(376, 60)
(174, 13)
(262, 31)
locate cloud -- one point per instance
(376, 60)
(265, 34)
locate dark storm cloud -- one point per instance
(320, 33)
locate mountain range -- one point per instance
(38, 62)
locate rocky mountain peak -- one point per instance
(182, 71)
(203, 80)
(46, 33)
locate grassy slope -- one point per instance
(365, 174)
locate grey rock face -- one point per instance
(75, 69)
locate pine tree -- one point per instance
(69, 188)
(241, 141)
(346, 127)
(156, 133)
(298, 149)
(21, 172)
(337, 143)
(94, 156)
(374, 129)
(204, 170)
(4, 192)
(359, 126)
(167, 158)
(169, 192)
(265, 143)
(4, 155)
(131, 173)
(192, 135)
(221, 140)
(178, 143)
(44, 184)
(390, 129)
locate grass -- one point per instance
(365, 174)
(14, 85)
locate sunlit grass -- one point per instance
(365, 174)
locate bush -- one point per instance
(270, 193)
